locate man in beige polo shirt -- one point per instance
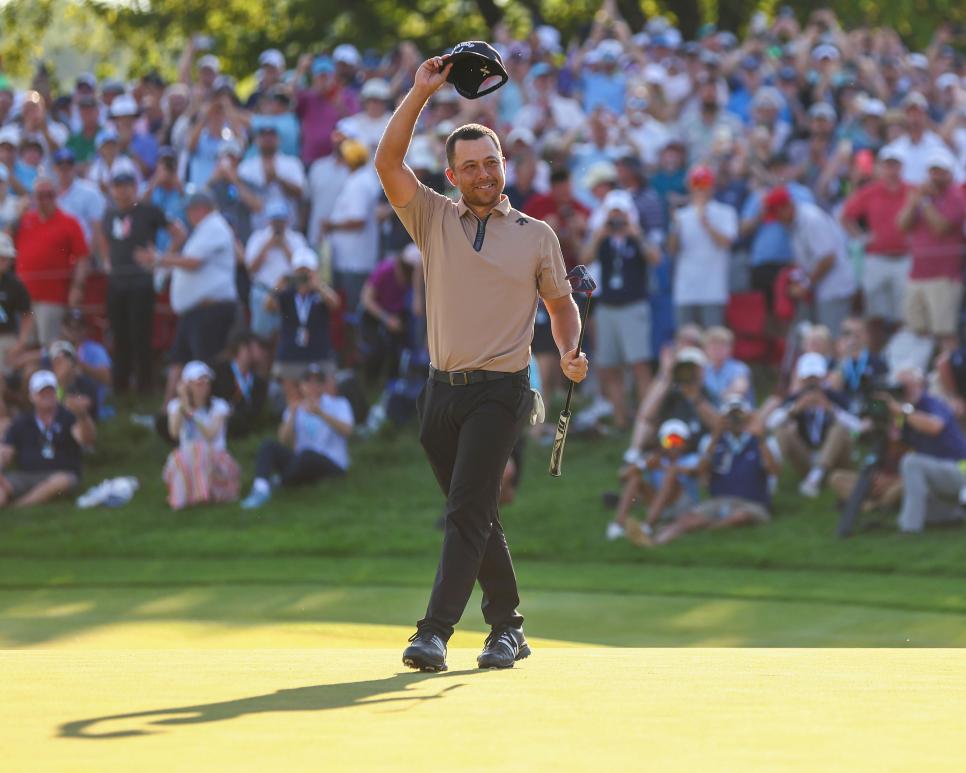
(484, 264)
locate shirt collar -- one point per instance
(503, 207)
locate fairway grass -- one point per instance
(561, 709)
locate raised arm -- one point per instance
(398, 179)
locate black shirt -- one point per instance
(126, 231)
(246, 396)
(14, 301)
(311, 346)
(623, 271)
(52, 449)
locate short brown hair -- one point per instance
(470, 131)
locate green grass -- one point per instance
(375, 528)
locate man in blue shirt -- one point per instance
(933, 473)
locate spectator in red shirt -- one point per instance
(563, 213)
(887, 262)
(51, 260)
(321, 107)
(933, 216)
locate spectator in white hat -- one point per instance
(46, 444)
(933, 217)
(139, 145)
(273, 175)
(271, 68)
(16, 320)
(304, 304)
(200, 470)
(813, 426)
(326, 177)
(917, 141)
(268, 258)
(548, 113)
(110, 162)
(368, 125)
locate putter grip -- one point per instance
(556, 454)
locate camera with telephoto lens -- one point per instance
(684, 374)
(870, 403)
(616, 223)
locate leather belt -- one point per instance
(465, 377)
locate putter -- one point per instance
(582, 282)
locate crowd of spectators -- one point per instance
(792, 200)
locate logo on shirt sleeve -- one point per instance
(522, 221)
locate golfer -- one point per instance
(484, 264)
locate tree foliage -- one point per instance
(138, 35)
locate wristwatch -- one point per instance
(908, 409)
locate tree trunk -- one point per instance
(632, 13)
(492, 13)
(689, 16)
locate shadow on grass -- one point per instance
(320, 697)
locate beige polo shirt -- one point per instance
(481, 304)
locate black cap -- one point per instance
(475, 65)
(124, 178)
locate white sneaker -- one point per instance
(614, 531)
(812, 485)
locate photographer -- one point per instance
(623, 312)
(303, 303)
(268, 257)
(813, 426)
(932, 475)
(738, 463)
(856, 367)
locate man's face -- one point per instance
(718, 351)
(478, 171)
(63, 366)
(374, 107)
(207, 76)
(89, 116)
(8, 154)
(708, 94)
(853, 337)
(125, 125)
(821, 126)
(313, 387)
(124, 194)
(940, 178)
(66, 171)
(267, 143)
(45, 399)
(891, 171)
(46, 197)
(196, 214)
(785, 214)
(915, 119)
(323, 82)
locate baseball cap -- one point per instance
(673, 433)
(124, 176)
(375, 88)
(58, 348)
(210, 61)
(124, 106)
(540, 69)
(915, 99)
(692, 355)
(873, 107)
(323, 65)
(477, 69)
(200, 198)
(735, 403)
(41, 380)
(347, 53)
(750, 62)
(10, 135)
(7, 249)
(317, 370)
(276, 210)
(788, 73)
(701, 177)
(305, 257)
(946, 80)
(266, 128)
(890, 153)
(195, 371)
(521, 134)
(825, 51)
(105, 135)
(354, 153)
(112, 87)
(601, 172)
(940, 158)
(621, 201)
(811, 365)
(822, 110)
(87, 100)
(272, 57)
(919, 61)
(410, 254)
(64, 156)
(775, 200)
(86, 79)
(610, 50)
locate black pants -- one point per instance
(130, 311)
(468, 433)
(763, 279)
(303, 467)
(202, 332)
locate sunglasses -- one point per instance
(673, 441)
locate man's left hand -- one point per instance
(574, 366)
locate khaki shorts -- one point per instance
(884, 281)
(22, 481)
(623, 334)
(292, 371)
(932, 306)
(48, 322)
(719, 508)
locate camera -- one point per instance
(684, 374)
(616, 223)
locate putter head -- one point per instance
(581, 281)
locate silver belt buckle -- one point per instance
(462, 373)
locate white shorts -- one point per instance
(623, 334)
(884, 281)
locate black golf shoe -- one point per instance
(427, 652)
(502, 648)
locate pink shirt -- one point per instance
(390, 293)
(935, 256)
(318, 116)
(879, 207)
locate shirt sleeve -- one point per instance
(341, 409)
(420, 215)
(855, 205)
(255, 243)
(552, 282)
(728, 221)
(78, 244)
